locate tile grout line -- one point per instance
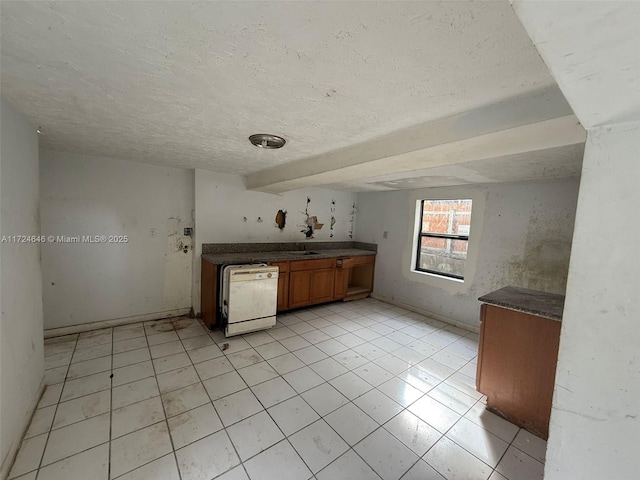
(420, 457)
(266, 410)
(166, 420)
(321, 417)
(443, 435)
(235, 449)
(193, 365)
(376, 388)
(74, 423)
(166, 392)
(348, 370)
(412, 364)
(110, 408)
(56, 410)
(141, 428)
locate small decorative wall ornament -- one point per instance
(281, 219)
(259, 220)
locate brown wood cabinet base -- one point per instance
(209, 293)
(516, 370)
(301, 283)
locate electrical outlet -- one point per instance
(385, 234)
(152, 233)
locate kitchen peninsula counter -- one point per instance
(518, 353)
(541, 304)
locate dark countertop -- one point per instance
(255, 257)
(542, 304)
(216, 248)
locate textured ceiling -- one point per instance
(184, 84)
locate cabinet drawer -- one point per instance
(353, 261)
(283, 267)
(298, 265)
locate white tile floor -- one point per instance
(359, 390)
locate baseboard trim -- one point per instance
(85, 327)
(427, 313)
(8, 460)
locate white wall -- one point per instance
(592, 51)
(22, 356)
(83, 195)
(520, 236)
(222, 202)
(595, 420)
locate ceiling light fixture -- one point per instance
(265, 140)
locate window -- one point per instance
(443, 237)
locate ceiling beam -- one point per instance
(539, 120)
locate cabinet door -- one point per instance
(300, 288)
(322, 285)
(283, 291)
(341, 281)
(519, 353)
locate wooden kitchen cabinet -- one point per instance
(300, 283)
(359, 273)
(208, 293)
(283, 285)
(299, 289)
(341, 282)
(324, 280)
(516, 369)
(322, 285)
(311, 282)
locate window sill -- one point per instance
(435, 275)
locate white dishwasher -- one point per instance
(249, 298)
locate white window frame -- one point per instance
(419, 234)
(450, 286)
